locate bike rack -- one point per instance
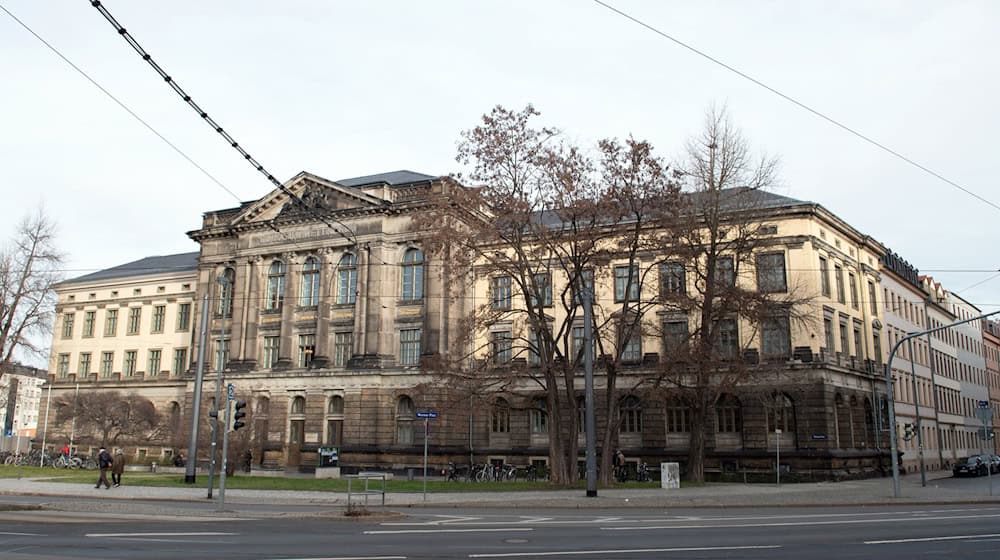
(368, 491)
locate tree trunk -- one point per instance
(696, 445)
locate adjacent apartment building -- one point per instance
(20, 399)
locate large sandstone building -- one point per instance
(321, 316)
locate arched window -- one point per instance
(335, 421)
(781, 414)
(404, 420)
(870, 424)
(729, 415)
(299, 405)
(413, 275)
(309, 294)
(500, 419)
(539, 417)
(678, 417)
(275, 286)
(174, 410)
(347, 279)
(630, 410)
(263, 406)
(227, 280)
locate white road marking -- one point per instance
(21, 534)
(349, 558)
(436, 531)
(448, 519)
(204, 534)
(931, 539)
(526, 519)
(622, 551)
(794, 523)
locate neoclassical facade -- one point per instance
(321, 316)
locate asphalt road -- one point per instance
(885, 532)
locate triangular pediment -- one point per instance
(319, 195)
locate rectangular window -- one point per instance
(159, 312)
(771, 277)
(111, 322)
(678, 420)
(63, 366)
(501, 292)
(180, 361)
(221, 354)
(134, 316)
(871, 298)
(347, 282)
(307, 347)
(587, 277)
(838, 277)
(67, 325)
(107, 363)
(543, 285)
(271, 345)
(183, 316)
(775, 337)
(576, 344)
(343, 348)
(877, 346)
(845, 347)
(128, 366)
(675, 337)
(727, 339)
(725, 273)
(334, 432)
(631, 349)
(88, 323)
(672, 279)
(500, 346)
(83, 370)
(409, 347)
(853, 283)
(824, 277)
(153, 362)
(828, 333)
(534, 349)
(627, 283)
(858, 341)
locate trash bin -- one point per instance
(409, 474)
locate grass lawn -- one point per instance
(283, 483)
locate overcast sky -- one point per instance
(347, 88)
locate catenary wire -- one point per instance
(799, 104)
(134, 115)
(131, 40)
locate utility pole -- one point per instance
(220, 363)
(588, 372)
(192, 460)
(45, 434)
(916, 413)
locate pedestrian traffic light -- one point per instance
(238, 414)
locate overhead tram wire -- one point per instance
(800, 104)
(349, 236)
(136, 116)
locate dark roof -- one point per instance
(392, 178)
(148, 266)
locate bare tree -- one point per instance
(720, 292)
(110, 417)
(29, 268)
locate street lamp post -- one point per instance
(225, 301)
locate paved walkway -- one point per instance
(861, 492)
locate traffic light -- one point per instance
(214, 414)
(238, 415)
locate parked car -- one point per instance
(974, 465)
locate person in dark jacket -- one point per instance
(118, 468)
(104, 462)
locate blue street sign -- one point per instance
(427, 414)
(984, 404)
(231, 392)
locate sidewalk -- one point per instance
(860, 492)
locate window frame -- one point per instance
(768, 281)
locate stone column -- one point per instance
(327, 270)
(290, 301)
(248, 347)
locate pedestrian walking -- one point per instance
(104, 462)
(118, 467)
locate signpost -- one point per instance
(985, 413)
(426, 415)
(777, 456)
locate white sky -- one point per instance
(342, 89)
